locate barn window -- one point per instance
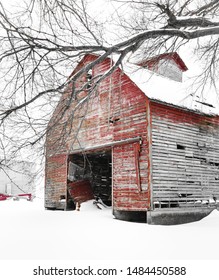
(89, 78)
(180, 147)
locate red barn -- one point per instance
(150, 160)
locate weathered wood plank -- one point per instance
(192, 167)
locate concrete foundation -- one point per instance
(131, 216)
(176, 216)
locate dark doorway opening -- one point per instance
(90, 172)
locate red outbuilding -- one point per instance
(150, 157)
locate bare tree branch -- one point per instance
(41, 44)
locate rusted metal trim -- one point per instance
(108, 145)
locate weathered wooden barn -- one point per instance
(150, 159)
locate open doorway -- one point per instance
(90, 176)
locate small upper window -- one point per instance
(89, 78)
(180, 147)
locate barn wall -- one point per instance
(129, 194)
(185, 158)
(116, 110)
(55, 181)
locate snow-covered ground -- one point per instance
(27, 231)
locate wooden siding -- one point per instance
(185, 161)
(170, 69)
(176, 163)
(116, 110)
(55, 181)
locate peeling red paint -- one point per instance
(118, 110)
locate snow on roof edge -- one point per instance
(196, 111)
(165, 90)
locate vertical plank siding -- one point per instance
(185, 162)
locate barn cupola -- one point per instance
(169, 65)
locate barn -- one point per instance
(135, 142)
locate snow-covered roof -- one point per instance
(181, 94)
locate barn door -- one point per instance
(90, 176)
(126, 165)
